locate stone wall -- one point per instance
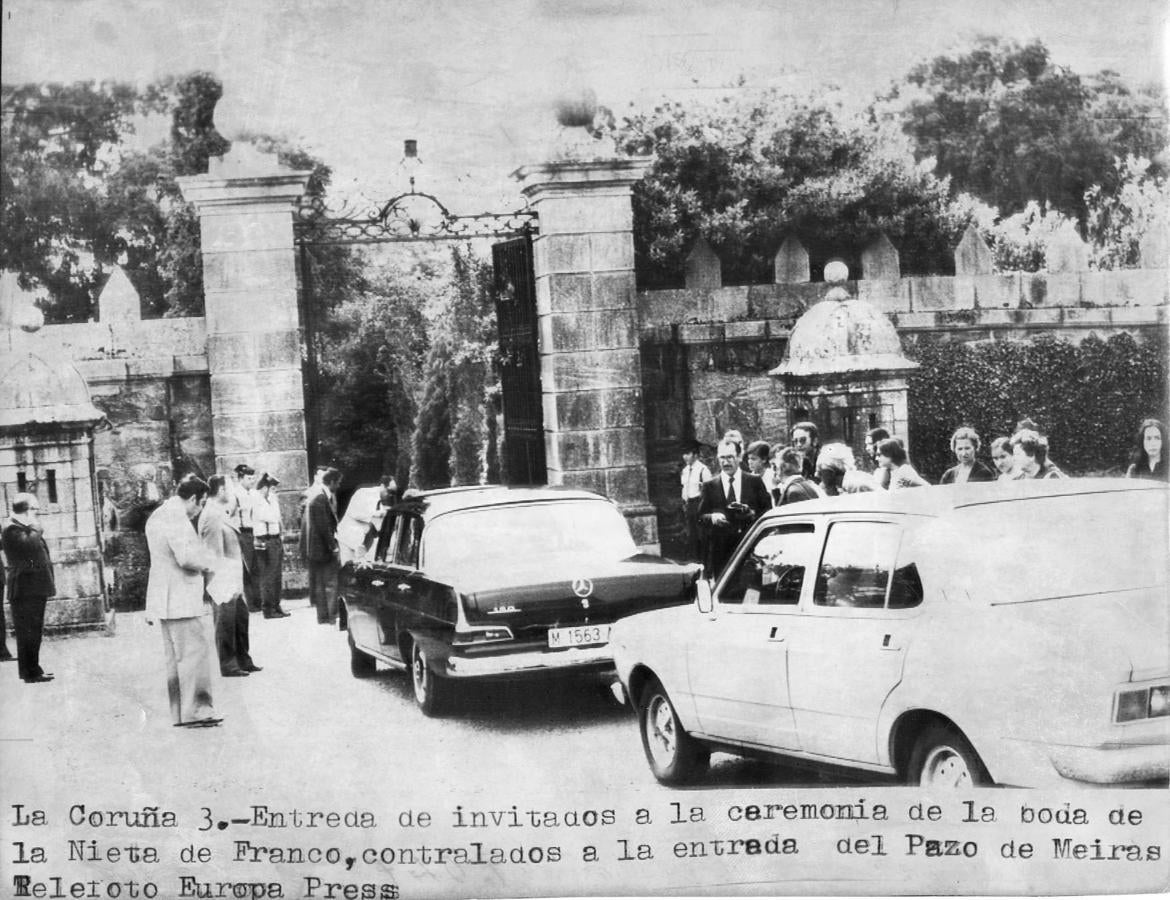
(150, 380)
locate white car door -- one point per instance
(737, 662)
(847, 654)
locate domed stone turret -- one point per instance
(33, 392)
(844, 369)
(842, 334)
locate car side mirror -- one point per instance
(704, 599)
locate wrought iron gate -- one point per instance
(522, 459)
(418, 216)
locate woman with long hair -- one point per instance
(1149, 455)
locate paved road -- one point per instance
(109, 701)
(305, 734)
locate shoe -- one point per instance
(253, 668)
(281, 614)
(270, 615)
(6, 656)
(238, 673)
(38, 679)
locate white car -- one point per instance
(1001, 633)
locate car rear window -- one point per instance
(1048, 548)
(488, 537)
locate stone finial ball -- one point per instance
(30, 318)
(576, 109)
(836, 272)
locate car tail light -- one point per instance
(485, 635)
(1142, 703)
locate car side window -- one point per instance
(856, 565)
(409, 534)
(383, 551)
(772, 572)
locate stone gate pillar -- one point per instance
(591, 378)
(245, 205)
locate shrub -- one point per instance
(1087, 398)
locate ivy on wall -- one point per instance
(1088, 397)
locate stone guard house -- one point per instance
(46, 447)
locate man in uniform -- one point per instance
(30, 578)
(694, 474)
(240, 509)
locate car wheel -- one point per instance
(361, 665)
(674, 756)
(430, 690)
(943, 758)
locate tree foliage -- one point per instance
(371, 340)
(452, 438)
(79, 196)
(756, 165)
(1010, 126)
(1116, 222)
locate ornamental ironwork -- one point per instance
(413, 216)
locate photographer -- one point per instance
(730, 502)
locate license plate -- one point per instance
(578, 636)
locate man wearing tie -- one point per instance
(694, 474)
(730, 502)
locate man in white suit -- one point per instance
(174, 598)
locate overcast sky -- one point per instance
(473, 81)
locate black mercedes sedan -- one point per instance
(494, 582)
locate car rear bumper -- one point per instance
(1113, 765)
(529, 662)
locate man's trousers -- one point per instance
(28, 624)
(231, 636)
(251, 581)
(269, 553)
(187, 649)
(323, 590)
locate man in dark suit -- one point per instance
(30, 579)
(730, 502)
(320, 541)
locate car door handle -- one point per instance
(404, 587)
(888, 643)
(773, 635)
(377, 582)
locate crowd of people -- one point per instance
(216, 556)
(755, 476)
(216, 550)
